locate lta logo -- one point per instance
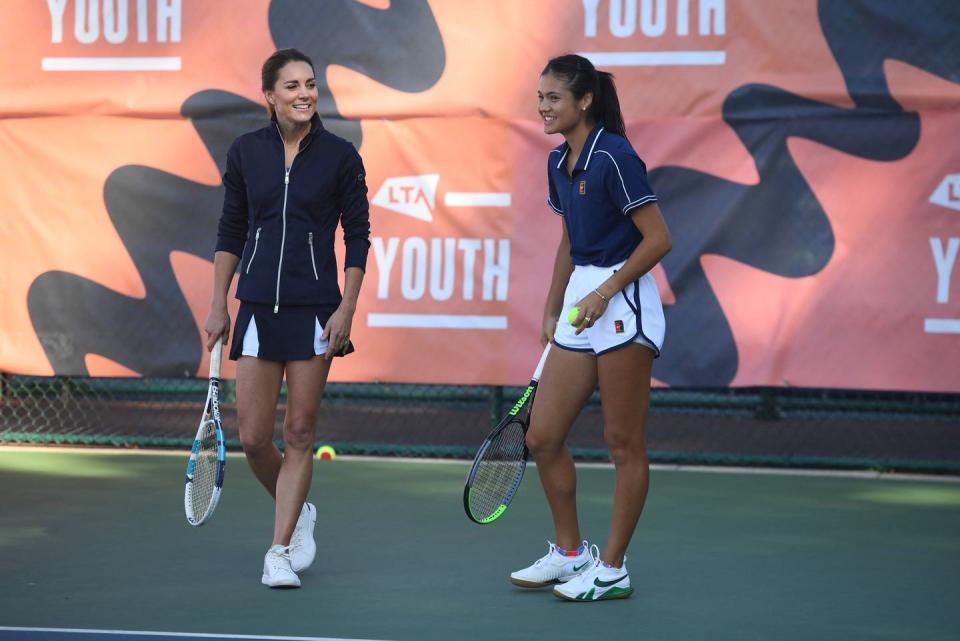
(413, 196)
(947, 194)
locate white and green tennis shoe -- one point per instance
(303, 548)
(553, 568)
(597, 583)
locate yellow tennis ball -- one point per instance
(326, 452)
(572, 315)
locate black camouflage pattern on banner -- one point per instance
(156, 213)
(778, 225)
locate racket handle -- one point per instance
(215, 358)
(543, 359)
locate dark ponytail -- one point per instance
(581, 77)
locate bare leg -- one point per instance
(305, 383)
(625, 392)
(567, 381)
(258, 389)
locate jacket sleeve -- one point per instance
(232, 230)
(354, 209)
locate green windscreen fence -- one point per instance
(733, 426)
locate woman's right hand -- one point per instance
(548, 330)
(217, 325)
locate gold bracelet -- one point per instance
(602, 297)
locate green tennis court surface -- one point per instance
(98, 541)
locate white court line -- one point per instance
(941, 325)
(437, 321)
(476, 199)
(111, 64)
(654, 58)
(202, 635)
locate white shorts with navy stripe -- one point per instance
(633, 315)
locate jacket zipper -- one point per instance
(313, 261)
(256, 242)
(283, 235)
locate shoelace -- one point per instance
(279, 560)
(595, 554)
(550, 548)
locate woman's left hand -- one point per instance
(592, 307)
(337, 331)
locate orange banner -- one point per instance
(802, 155)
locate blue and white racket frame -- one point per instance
(211, 414)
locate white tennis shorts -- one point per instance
(633, 315)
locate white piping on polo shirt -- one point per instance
(556, 151)
(550, 202)
(640, 201)
(590, 155)
(623, 184)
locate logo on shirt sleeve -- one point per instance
(583, 187)
(618, 325)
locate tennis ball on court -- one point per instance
(326, 452)
(572, 315)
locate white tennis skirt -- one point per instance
(633, 315)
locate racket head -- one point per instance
(208, 455)
(496, 472)
(499, 464)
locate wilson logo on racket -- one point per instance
(523, 399)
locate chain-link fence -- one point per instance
(755, 426)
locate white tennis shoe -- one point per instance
(597, 583)
(303, 548)
(554, 567)
(277, 572)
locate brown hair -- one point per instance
(277, 61)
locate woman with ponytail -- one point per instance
(604, 314)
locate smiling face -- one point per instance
(294, 94)
(560, 111)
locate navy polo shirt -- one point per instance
(608, 182)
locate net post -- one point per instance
(495, 396)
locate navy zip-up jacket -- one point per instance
(281, 222)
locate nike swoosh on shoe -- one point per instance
(606, 584)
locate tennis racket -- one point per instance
(208, 456)
(500, 462)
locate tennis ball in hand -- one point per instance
(572, 315)
(325, 452)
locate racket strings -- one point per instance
(498, 471)
(205, 470)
